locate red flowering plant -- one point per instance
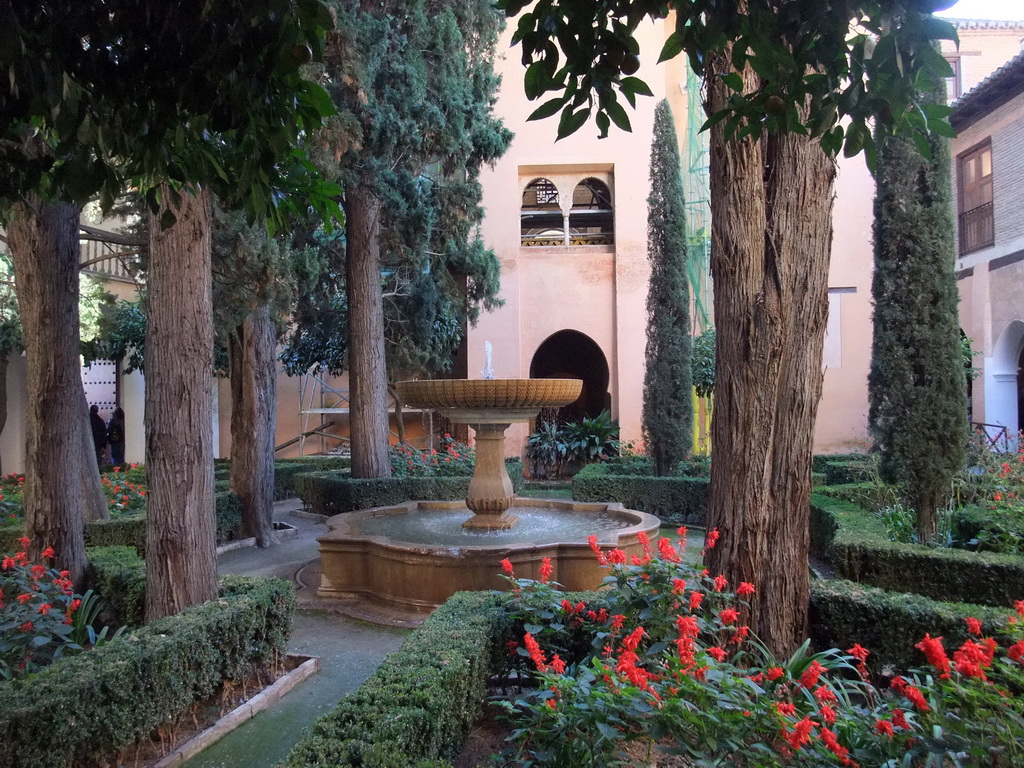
(450, 459)
(37, 609)
(1002, 478)
(12, 499)
(675, 668)
(125, 490)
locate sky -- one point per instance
(1012, 10)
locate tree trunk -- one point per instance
(771, 204)
(94, 500)
(43, 239)
(4, 361)
(180, 540)
(367, 373)
(253, 422)
(399, 413)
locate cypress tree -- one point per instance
(668, 404)
(916, 385)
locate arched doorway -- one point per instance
(574, 355)
(1002, 384)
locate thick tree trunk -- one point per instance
(771, 203)
(43, 239)
(4, 361)
(94, 500)
(367, 373)
(253, 421)
(180, 539)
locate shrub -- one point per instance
(454, 459)
(819, 460)
(856, 543)
(284, 477)
(91, 706)
(889, 623)
(676, 500)
(333, 492)
(851, 471)
(420, 704)
(36, 614)
(119, 576)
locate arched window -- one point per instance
(541, 221)
(591, 219)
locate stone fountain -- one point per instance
(397, 562)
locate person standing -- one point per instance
(115, 436)
(99, 434)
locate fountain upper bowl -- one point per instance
(489, 393)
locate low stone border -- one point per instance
(231, 546)
(308, 667)
(304, 514)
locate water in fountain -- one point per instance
(443, 527)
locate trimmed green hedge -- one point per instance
(418, 707)
(119, 577)
(889, 624)
(284, 477)
(819, 461)
(676, 500)
(840, 472)
(330, 493)
(855, 542)
(94, 704)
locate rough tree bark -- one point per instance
(253, 422)
(367, 373)
(771, 206)
(43, 238)
(180, 539)
(94, 500)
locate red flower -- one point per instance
(506, 566)
(535, 652)
(718, 654)
(1018, 606)
(884, 727)
(745, 588)
(616, 557)
(667, 551)
(729, 616)
(915, 697)
(837, 749)
(678, 586)
(592, 541)
(973, 626)
(858, 652)
(552, 704)
(44, 608)
(24, 541)
(26, 627)
(809, 678)
(48, 552)
(681, 531)
(632, 640)
(720, 583)
(1016, 651)
(8, 563)
(695, 600)
(711, 539)
(24, 598)
(828, 714)
(558, 665)
(825, 695)
(801, 733)
(787, 708)
(617, 620)
(687, 626)
(935, 653)
(774, 673)
(899, 719)
(899, 684)
(545, 570)
(645, 542)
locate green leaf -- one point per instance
(635, 85)
(547, 109)
(733, 80)
(618, 116)
(571, 122)
(536, 80)
(673, 47)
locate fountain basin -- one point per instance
(368, 554)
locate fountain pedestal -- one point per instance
(490, 491)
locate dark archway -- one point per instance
(574, 355)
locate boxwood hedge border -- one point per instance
(676, 500)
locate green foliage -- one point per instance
(859, 469)
(37, 607)
(209, 94)
(10, 316)
(332, 492)
(420, 704)
(415, 88)
(668, 403)
(120, 692)
(454, 459)
(676, 500)
(890, 623)
(547, 449)
(858, 547)
(916, 385)
(820, 460)
(799, 55)
(702, 363)
(121, 335)
(119, 576)
(578, 443)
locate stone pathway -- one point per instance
(349, 652)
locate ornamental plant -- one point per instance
(37, 609)
(674, 667)
(125, 491)
(452, 459)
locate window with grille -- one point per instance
(974, 177)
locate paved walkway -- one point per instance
(349, 650)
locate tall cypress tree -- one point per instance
(916, 385)
(668, 404)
